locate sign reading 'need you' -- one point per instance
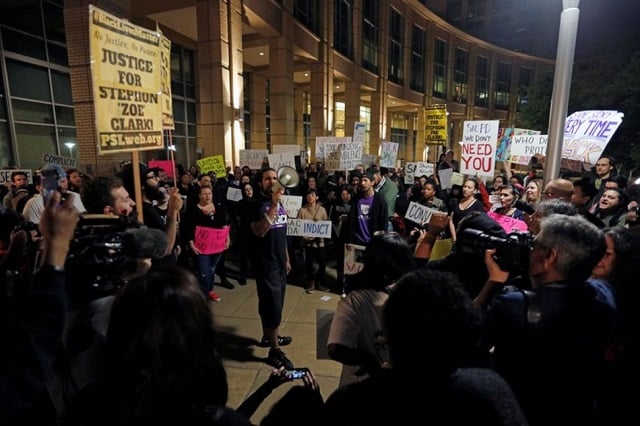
(479, 147)
(127, 86)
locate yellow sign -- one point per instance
(127, 90)
(435, 125)
(165, 76)
(215, 164)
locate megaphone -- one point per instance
(287, 178)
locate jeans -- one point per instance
(206, 270)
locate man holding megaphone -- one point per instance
(270, 259)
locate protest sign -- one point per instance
(309, 228)
(64, 162)
(523, 147)
(292, 204)
(5, 175)
(388, 154)
(214, 163)
(417, 213)
(478, 147)
(445, 176)
(234, 194)
(369, 160)
(127, 84)
(253, 158)
(508, 223)
(165, 165)
(435, 125)
(165, 82)
(409, 172)
(587, 133)
(210, 240)
(282, 159)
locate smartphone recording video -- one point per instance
(297, 373)
(50, 182)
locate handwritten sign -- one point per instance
(64, 162)
(214, 163)
(417, 213)
(587, 133)
(294, 148)
(445, 176)
(526, 146)
(388, 154)
(234, 194)
(292, 204)
(253, 158)
(309, 228)
(424, 168)
(353, 254)
(409, 172)
(165, 81)
(5, 175)
(210, 240)
(457, 178)
(282, 159)
(508, 223)
(479, 147)
(369, 160)
(127, 85)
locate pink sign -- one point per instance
(166, 165)
(211, 240)
(508, 223)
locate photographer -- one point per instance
(32, 324)
(549, 342)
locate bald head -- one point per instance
(558, 188)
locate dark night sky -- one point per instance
(608, 26)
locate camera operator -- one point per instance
(549, 342)
(32, 324)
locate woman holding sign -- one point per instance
(208, 236)
(467, 203)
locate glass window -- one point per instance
(68, 135)
(32, 141)
(5, 143)
(54, 22)
(418, 37)
(460, 75)
(396, 47)
(64, 116)
(482, 82)
(23, 44)
(178, 110)
(34, 112)
(28, 81)
(342, 35)
(61, 88)
(440, 69)
(23, 15)
(503, 86)
(370, 35)
(58, 54)
(308, 13)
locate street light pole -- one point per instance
(70, 145)
(561, 87)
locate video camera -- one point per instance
(103, 250)
(512, 252)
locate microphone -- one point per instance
(145, 242)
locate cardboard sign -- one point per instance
(234, 194)
(214, 163)
(282, 159)
(417, 213)
(388, 154)
(254, 158)
(587, 133)
(309, 228)
(5, 175)
(210, 240)
(508, 223)
(292, 204)
(64, 162)
(479, 140)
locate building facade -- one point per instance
(253, 74)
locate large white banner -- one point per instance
(587, 133)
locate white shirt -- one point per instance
(35, 206)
